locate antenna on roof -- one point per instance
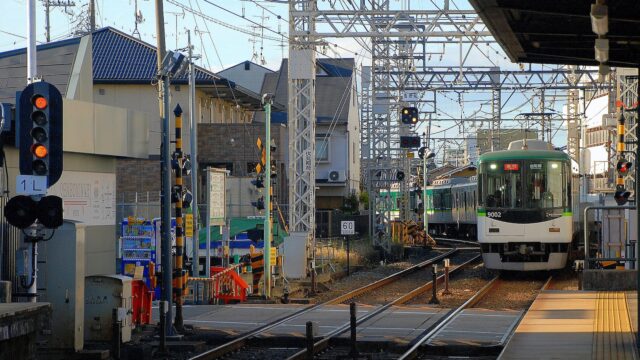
(139, 19)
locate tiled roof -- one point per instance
(121, 58)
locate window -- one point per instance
(322, 148)
(502, 184)
(546, 189)
(247, 65)
(528, 184)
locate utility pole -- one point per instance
(163, 88)
(92, 15)
(193, 133)
(267, 101)
(48, 4)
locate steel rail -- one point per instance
(323, 343)
(412, 353)
(240, 342)
(464, 242)
(384, 281)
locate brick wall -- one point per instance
(137, 175)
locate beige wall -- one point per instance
(143, 97)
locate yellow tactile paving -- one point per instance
(574, 325)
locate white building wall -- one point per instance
(251, 78)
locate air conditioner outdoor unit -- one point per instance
(337, 176)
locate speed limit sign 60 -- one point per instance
(347, 228)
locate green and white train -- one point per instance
(525, 219)
(519, 207)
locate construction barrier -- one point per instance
(224, 285)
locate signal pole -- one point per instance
(267, 101)
(32, 74)
(193, 133)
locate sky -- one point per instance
(219, 33)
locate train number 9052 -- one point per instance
(494, 214)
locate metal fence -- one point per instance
(608, 241)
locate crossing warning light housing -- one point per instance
(623, 166)
(621, 196)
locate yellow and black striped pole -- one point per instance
(178, 274)
(620, 147)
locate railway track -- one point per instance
(490, 289)
(247, 341)
(323, 346)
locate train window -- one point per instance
(547, 185)
(502, 188)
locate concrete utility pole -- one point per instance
(163, 88)
(193, 134)
(92, 15)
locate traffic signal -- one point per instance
(409, 115)
(621, 196)
(623, 167)
(39, 131)
(409, 142)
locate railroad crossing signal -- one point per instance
(259, 204)
(623, 167)
(409, 115)
(409, 142)
(22, 211)
(621, 196)
(39, 131)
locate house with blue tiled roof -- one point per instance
(112, 126)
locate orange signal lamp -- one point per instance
(39, 150)
(40, 102)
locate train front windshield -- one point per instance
(525, 184)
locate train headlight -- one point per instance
(493, 166)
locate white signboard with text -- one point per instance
(217, 196)
(88, 197)
(347, 227)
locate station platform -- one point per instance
(19, 324)
(576, 325)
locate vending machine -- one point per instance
(138, 249)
